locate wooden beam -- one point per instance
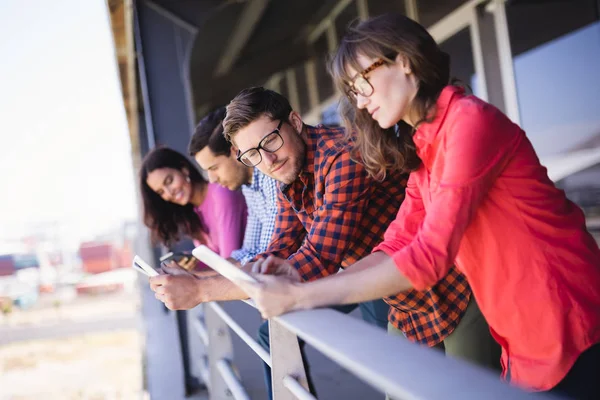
(121, 21)
(220, 90)
(327, 21)
(253, 11)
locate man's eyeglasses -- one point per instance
(360, 84)
(270, 143)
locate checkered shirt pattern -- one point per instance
(428, 317)
(333, 215)
(261, 199)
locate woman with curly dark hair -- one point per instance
(179, 202)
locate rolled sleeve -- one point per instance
(336, 221)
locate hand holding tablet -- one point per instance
(143, 267)
(221, 265)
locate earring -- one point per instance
(187, 179)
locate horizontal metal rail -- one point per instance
(205, 375)
(233, 383)
(253, 344)
(399, 368)
(201, 331)
(394, 366)
(296, 389)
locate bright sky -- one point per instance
(558, 85)
(65, 153)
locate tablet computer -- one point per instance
(142, 266)
(221, 265)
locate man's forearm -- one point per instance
(371, 278)
(218, 288)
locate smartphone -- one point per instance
(171, 256)
(184, 260)
(143, 267)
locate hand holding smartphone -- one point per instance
(143, 267)
(185, 260)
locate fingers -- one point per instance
(270, 265)
(172, 268)
(156, 281)
(168, 269)
(160, 290)
(183, 261)
(278, 266)
(187, 263)
(267, 265)
(257, 267)
(166, 298)
(264, 278)
(190, 264)
(170, 305)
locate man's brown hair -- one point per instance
(251, 104)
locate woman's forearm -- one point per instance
(371, 278)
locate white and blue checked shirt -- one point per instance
(261, 199)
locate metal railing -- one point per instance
(390, 364)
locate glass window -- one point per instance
(556, 53)
(558, 85)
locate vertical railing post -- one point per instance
(220, 348)
(286, 360)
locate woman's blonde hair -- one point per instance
(384, 37)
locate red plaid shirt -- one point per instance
(333, 215)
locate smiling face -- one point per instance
(171, 185)
(284, 164)
(224, 170)
(394, 88)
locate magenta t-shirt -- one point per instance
(223, 214)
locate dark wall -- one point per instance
(165, 49)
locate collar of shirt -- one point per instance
(426, 133)
(296, 189)
(254, 181)
(311, 138)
